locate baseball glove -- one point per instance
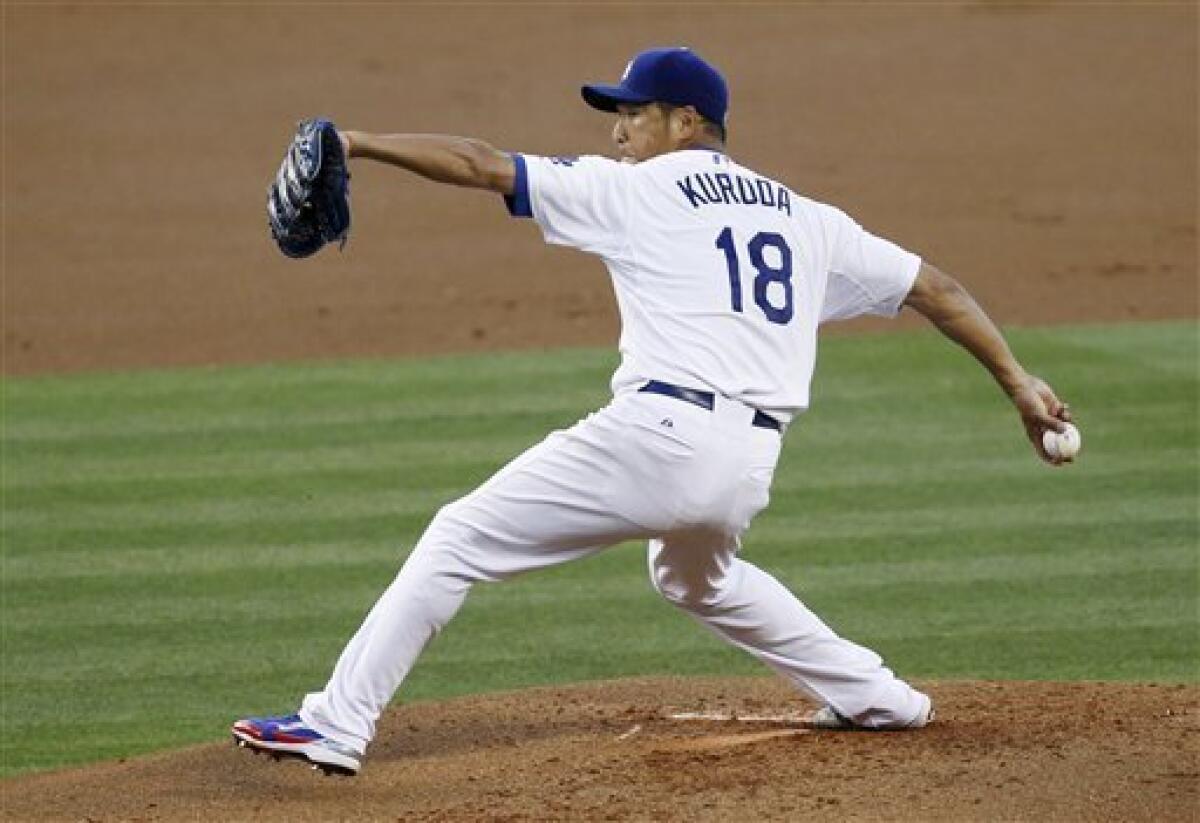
(308, 203)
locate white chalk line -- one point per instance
(630, 733)
(727, 717)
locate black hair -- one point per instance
(715, 129)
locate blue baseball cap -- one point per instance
(677, 76)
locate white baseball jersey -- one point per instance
(722, 275)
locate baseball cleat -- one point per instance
(827, 718)
(287, 736)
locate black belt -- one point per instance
(705, 400)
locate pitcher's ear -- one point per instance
(687, 121)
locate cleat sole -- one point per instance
(333, 771)
(329, 769)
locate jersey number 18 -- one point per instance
(767, 273)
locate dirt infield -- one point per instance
(609, 751)
(1045, 154)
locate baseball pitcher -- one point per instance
(722, 278)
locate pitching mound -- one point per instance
(613, 751)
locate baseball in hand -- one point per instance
(1064, 444)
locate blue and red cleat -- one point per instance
(287, 736)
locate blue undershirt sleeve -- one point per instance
(518, 202)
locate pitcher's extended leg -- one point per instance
(547, 507)
(701, 573)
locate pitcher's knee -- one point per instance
(450, 546)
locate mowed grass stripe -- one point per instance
(557, 645)
(149, 468)
(205, 441)
(208, 388)
(299, 472)
(382, 414)
(261, 432)
(399, 517)
(41, 433)
(1026, 654)
(123, 562)
(184, 547)
(384, 496)
(767, 543)
(297, 506)
(259, 482)
(95, 603)
(390, 527)
(97, 672)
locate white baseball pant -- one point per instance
(646, 466)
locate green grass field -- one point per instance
(181, 548)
